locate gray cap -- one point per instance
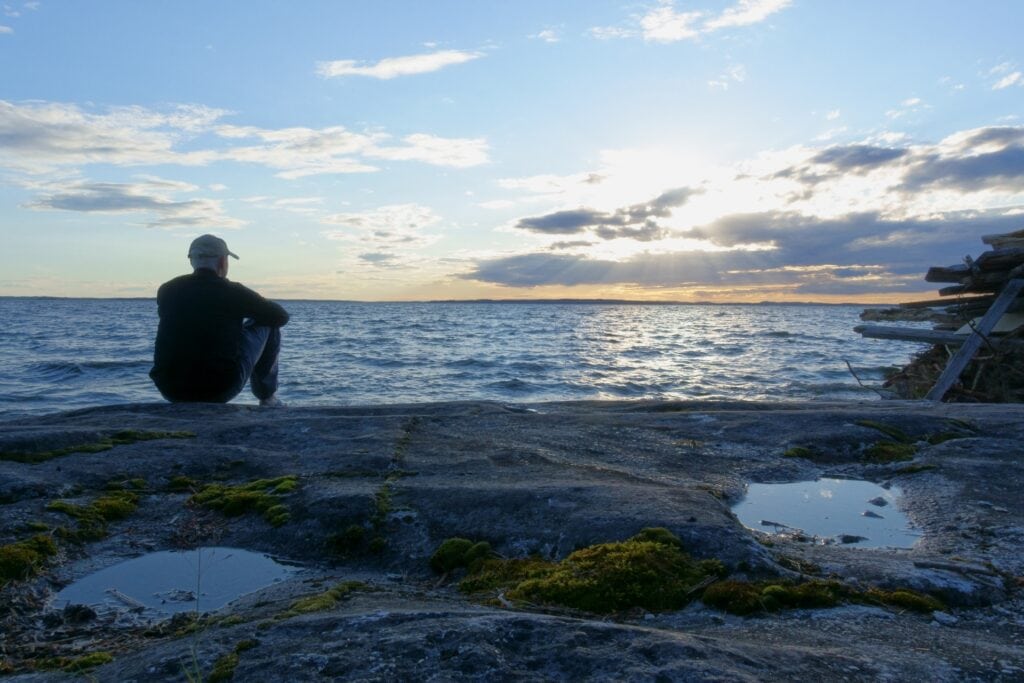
(209, 245)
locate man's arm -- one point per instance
(262, 311)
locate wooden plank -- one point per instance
(963, 356)
(927, 336)
(936, 303)
(1010, 239)
(1000, 259)
(947, 273)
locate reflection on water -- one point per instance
(167, 582)
(61, 354)
(844, 511)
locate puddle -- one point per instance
(170, 581)
(844, 511)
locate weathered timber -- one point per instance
(1000, 259)
(928, 336)
(1012, 239)
(962, 357)
(984, 299)
(955, 273)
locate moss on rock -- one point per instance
(262, 496)
(889, 451)
(119, 438)
(456, 553)
(22, 559)
(649, 570)
(322, 601)
(744, 598)
(92, 518)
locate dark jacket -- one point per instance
(198, 341)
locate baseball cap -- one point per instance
(209, 245)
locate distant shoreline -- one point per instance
(593, 302)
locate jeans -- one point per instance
(258, 364)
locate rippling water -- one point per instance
(71, 353)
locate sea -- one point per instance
(63, 354)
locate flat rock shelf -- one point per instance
(358, 500)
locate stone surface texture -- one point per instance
(537, 479)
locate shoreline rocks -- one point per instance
(363, 497)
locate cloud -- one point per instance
(989, 158)
(547, 35)
(664, 24)
(632, 222)
(854, 254)
(392, 67)
(6, 29)
(152, 196)
(438, 151)
(1015, 78)
(41, 137)
(745, 13)
(45, 137)
(386, 225)
(734, 74)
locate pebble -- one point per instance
(945, 618)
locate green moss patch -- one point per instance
(224, 668)
(894, 433)
(889, 451)
(120, 438)
(744, 598)
(322, 601)
(649, 570)
(20, 560)
(262, 496)
(93, 518)
(454, 553)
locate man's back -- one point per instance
(199, 338)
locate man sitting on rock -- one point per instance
(215, 335)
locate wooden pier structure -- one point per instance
(982, 307)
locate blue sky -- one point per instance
(705, 150)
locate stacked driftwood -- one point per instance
(977, 350)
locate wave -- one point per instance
(63, 368)
(514, 384)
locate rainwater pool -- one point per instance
(846, 511)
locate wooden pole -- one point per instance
(962, 357)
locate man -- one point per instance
(214, 334)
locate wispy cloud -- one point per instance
(548, 35)
(6, 29)
(386, 225)
(745, 13)
(152, 197)
(393, 235)
(665, 24)
(1014, 78)
(734, 74)
(393, 67)
(44, 137)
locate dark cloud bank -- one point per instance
(814, 255)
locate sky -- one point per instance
(704, 150)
